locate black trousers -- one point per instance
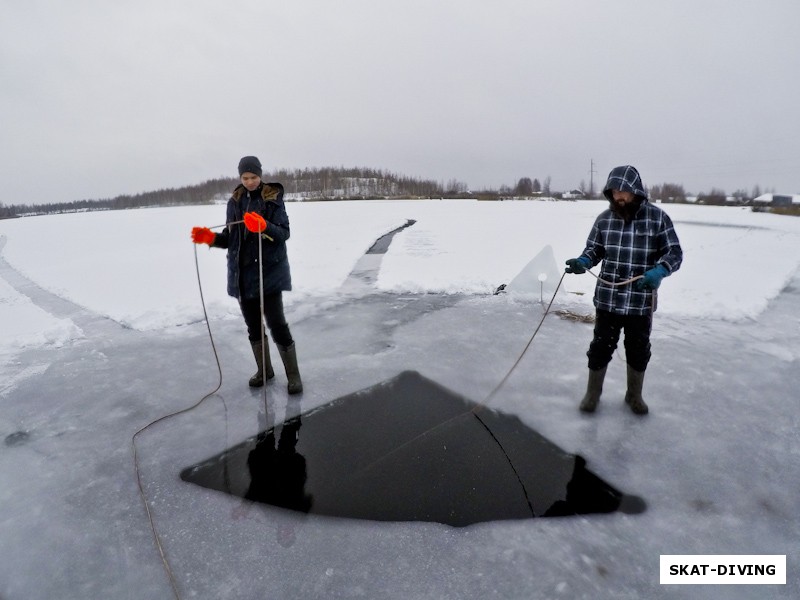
(276, 320)
(607, 329)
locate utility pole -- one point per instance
(591, 178)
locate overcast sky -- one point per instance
(101, 98)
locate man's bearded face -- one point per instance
(624, 204)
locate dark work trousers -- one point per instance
(607, 329)
(276, 321)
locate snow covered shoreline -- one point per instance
(137, 267)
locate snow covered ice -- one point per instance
(103, 333)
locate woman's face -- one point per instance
(250, 181)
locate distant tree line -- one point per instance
(340, 183)
(327, 183)
(530, 187)
(194, 194)
(670, 192)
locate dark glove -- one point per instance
(203, 235)
(578, 265)
(254, 222)
(652, 278)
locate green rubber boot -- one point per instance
(289, 358)
(633, 397)
(594, 388)
(262, 359)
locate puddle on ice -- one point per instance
(409, 449)
(18, 438)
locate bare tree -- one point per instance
(668, 192)
(715, 196)
(455, 187)
(524, 187)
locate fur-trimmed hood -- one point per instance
(269, 192)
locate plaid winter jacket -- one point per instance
(628, 249)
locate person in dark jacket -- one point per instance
(635, 240)
(256, 216)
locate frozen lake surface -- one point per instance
(104, 338)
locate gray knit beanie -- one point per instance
(250, 164)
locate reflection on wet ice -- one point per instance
(408, 449)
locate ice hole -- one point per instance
(408, 449)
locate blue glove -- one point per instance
(578, 265)
(652, 278)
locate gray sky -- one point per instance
(105, 98)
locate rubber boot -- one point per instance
(593, 390)
(289, 358)
(633, 397)
(257, 380)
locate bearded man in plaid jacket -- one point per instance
(634, 239)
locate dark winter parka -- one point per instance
(242, 245)
(628, 248)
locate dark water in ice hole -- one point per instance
(409, 449)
